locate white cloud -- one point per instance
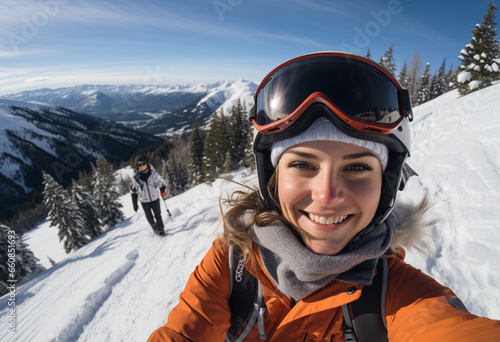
(37, 79)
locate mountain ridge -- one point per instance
(153, 109)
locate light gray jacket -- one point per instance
(148, 191)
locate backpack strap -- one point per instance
(364, 319)
(246, 303)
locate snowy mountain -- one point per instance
(35, 137)
(161, 110)
(222, 96)
(122, 285)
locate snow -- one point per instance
(225, 95)
(122, 285)
(458, 159)
(44, 243)
(474, 84)
(464, 76)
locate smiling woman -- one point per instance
(331, 156)
(328, 193)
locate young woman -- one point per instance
(333, 137)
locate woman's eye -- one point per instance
(301, 165)
(359, 168)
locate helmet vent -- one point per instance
(272, 130)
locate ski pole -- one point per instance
(168, 211)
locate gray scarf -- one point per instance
(298, 272)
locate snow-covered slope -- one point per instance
(123, 284)
(456, 151)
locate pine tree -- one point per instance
(451, 79)
(82, 196)
(413, 75)
(387, 60)
(237, 130)
(403, 76)
(368, 54)
(63, 214)
(174, 170)
(215, 148)
(423, 88)
(105, 194)
(228, 166)
(438, 81)
(195, 171)
(481, 58)
(18, 261)
(249, 159)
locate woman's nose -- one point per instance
(327, 190)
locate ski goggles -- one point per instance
(361, 93)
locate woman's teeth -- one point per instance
(327, 220)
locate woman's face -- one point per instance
(330, 190)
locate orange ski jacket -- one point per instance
(418, 308)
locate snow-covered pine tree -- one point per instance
(387, 60)
(438, 81)
(423, 88)
(195, 172)
(215, 148)
(82, 196)
(105, 194)
(63, 214)
(481, 58)
(12, 248)
(403, 76)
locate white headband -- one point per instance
(323, 129)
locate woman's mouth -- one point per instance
(327, 220)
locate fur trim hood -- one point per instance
(413, 229)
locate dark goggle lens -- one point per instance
(140, 164)
(360, 90)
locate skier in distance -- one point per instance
(145, 184)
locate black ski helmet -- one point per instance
(398, 141)
(141, 158)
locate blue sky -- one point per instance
(61, 43)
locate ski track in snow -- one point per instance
(95, 300)
(122, 285)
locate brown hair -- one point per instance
(244, 203)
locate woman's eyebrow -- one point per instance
(303, 154)
(360, 155)
(346, 157)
